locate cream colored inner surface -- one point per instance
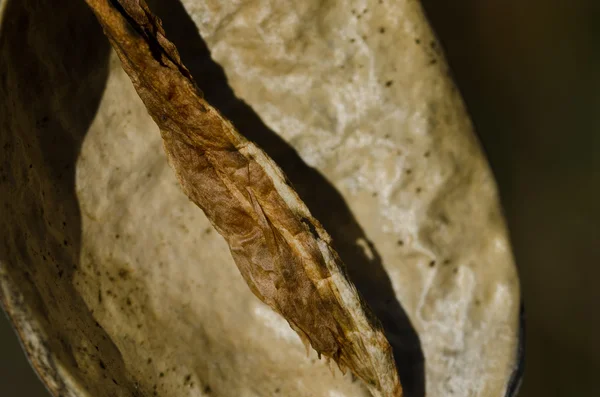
(361, 91)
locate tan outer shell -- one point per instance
(118, 285)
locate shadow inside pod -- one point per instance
(322, 198)
(53, 72)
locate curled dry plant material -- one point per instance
(283, 253)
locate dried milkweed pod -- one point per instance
(283, 253)
(118, 285)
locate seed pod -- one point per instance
(283, 253)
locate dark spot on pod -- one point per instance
(310, 226)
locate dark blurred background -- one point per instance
(529, 71)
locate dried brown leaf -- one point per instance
(283, 253)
